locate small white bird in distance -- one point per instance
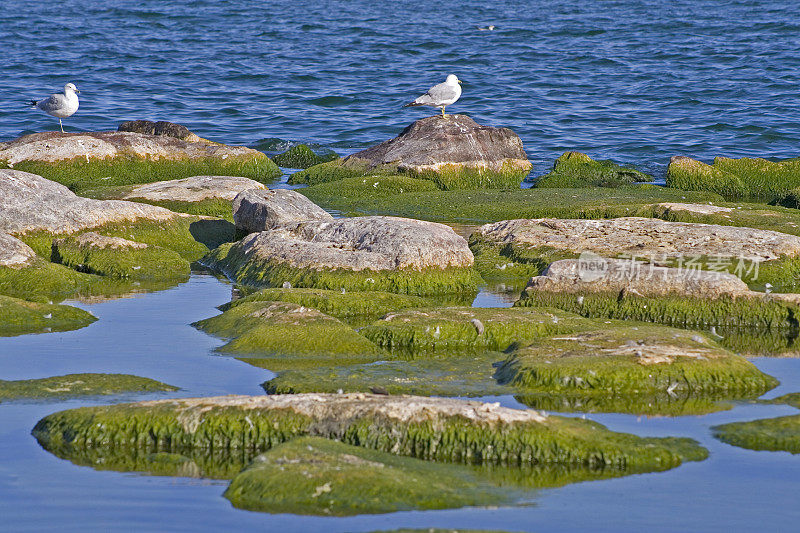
(60, 105)
(440, 95)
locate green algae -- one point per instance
(75, 385)
(286, 335)
(793, 399)
(302, 156)
(125, 262)
(574, 169)
(451, 177)
(79, 174)
(336, 170)
(19, 317)
(210, 207)
(643, 369)
(460, 329)
(247, 270)
(463, 376)
(780, 434)
(360, 197)
(176, 426)
(323, 477)
(688, 174)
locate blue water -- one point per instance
(634, 81)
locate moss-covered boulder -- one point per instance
(285, 335)
(454, 153)
(89, 160)
(356, 254)
(574, 169)
(459, 329)
(754, 178)
(323, 477)
(780, 434)
(19, 317)
(302, 156)
(116, 257)
(639, 368)
(437, 429)
(74, 385)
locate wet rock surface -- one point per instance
(260, 210)
(194, 189)
(162, 127)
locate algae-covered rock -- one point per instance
(631, 290)
(453, 152)
(574, 169)
(780, 434)
(74, 385)
(466, 328)
(323, 477)
(302, 156)
(640, 368)
(359, 254)
(19, 317)
(92, 159)
(439, 429)
(793, 399)
(747, 177)
(260, 210)
(284, 334)
(116, 257)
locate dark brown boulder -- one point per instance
(162, 127)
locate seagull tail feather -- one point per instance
(413, 104)
(33, 103)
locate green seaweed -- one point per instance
(75, 385)
(19, 317)
(574, 169)
(302, 156)
(780, 434)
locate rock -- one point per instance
(194, 189)
(286, 335)
(161, 127)
(314, 476)
(31, 203)
(455, 152)
(13, 252)
(302, 156)
(696, 209)
(86, 161)
(20, 317)
(622, 368)
(438, 429)
(76, 385)
(574, 169)
(780, 434)
(643, 238)
(366, 253)
(259, 210)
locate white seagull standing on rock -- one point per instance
(440, 95)
(60, 105)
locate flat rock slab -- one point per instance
(257, 210)
(642, 237)
(14, 253)
(431, 143)
(194, 189)
(31, 203)
(696, 209)
(53, 147)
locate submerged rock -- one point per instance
(455, 152)
(366, 253)
(780, 434)
(20, 317)
(193, 189)
(439, 429)
(260, 210)
(323, 477)
(574, 169)
(302, 156)
(76, 385)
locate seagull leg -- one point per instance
(62, 126)
(443, 115)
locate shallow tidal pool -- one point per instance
(149, 335)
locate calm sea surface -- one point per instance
(634, 81)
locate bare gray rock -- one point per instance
(361, 243)
(194, 189)
(260, 210)
(642, 237)
(14, 253)
(698, 209)
(430, 143)
(30, 203)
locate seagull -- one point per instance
(60, 105)
(440, 95)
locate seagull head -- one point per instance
(71, 87)
(452, 79)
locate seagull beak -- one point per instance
(459, 82)
(77, 91)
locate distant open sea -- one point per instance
(633, 81)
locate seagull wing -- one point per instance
(437, 95)
(54, 103)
